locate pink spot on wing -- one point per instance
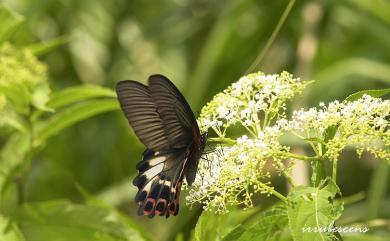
(151, 200)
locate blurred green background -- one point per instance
(202, 46)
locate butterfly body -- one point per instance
(165, 124)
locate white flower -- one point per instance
(360, 123)
(244, 100)
(232, 174)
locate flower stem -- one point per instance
(26, 165)
(225, 140)
(265, 122)
(334, 170)
(279, 195)
(274, 192)
(303, 158)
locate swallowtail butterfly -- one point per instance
(163, 121)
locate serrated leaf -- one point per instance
(71, 115)
(311, 208)
(63, 221)
(79, 93)
(373, 93)
(9, 231)
(267, 226)
(10, 21)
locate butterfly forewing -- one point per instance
(174, 110)
(141, 112)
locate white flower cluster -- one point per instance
(236, 171)
(363, 123)
(231, 175)
(250, 96)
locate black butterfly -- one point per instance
(165, 124)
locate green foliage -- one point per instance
(78, 93)
(62, 220)
(72, 115)
(55, 58)
(268, 225)
(373, 93)
(222, 227)
(366, 238)
(23, 79)
(39, 49)
(9, 20)
(30, 114)
(313, 208)
(9, 231)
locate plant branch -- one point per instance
(334, 170)
(26, 165)
(274, 192)
(303, 158)
(222, 139)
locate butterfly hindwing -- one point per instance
(159, 182)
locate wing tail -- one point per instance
(159, 183)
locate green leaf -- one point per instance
(76, 94)
(179, 237)
(10, 21)
(47, 46)
(373, 93)
(72, 115)
(40, 97)
(12, 156)
(63, 221)
(268, 225)
(18, 96)
(11, 118)
(235, 233)
(319, 172)
(367, 237)
(9, 231)
(330, 132)
(214, 227)
(312, 209)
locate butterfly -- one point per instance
(164, 122)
